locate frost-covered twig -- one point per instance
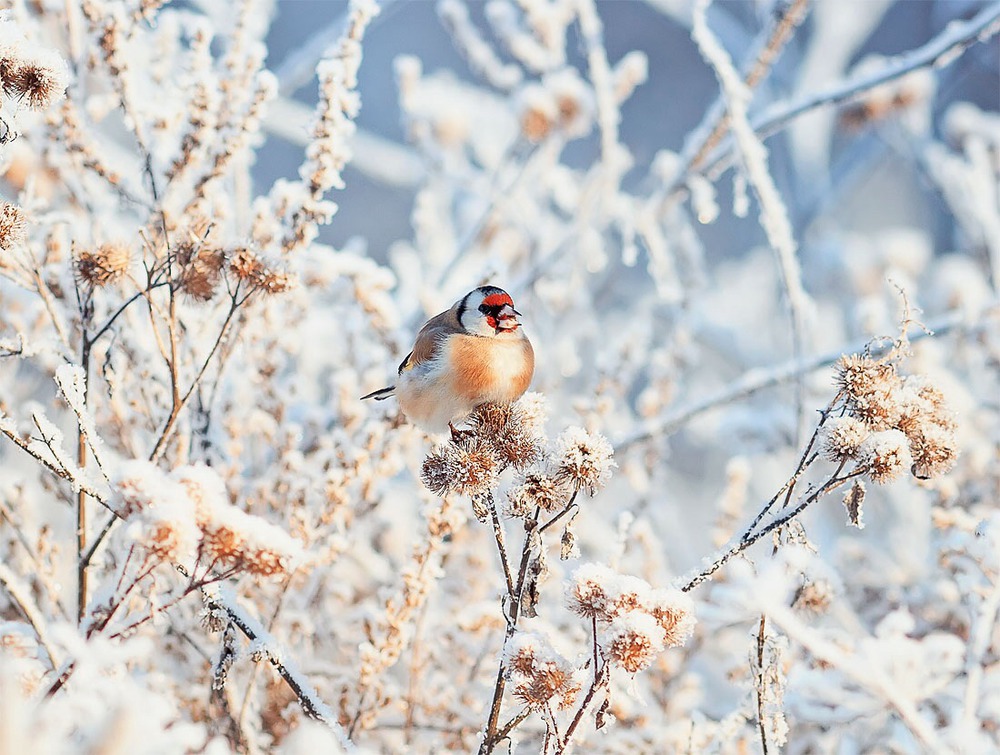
(609, 116)
(178, 405)
(21, 595)
(749, 537)
(944, 49)
(8, 429)
(482, 58)
(703, 140)
(754, 158)
(754, 380)
(223, 599)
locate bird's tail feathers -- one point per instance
(381, 394)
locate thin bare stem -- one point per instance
(749, 538)
(760, 683)
(597, 684)
(168, 428)
(501, 540)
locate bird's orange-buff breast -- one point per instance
(487, 371)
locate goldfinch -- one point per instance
(474, 353)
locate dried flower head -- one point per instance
(503, 427)
(213, 618)
(872, 389)
(885, 455)
(674, 612)
(841, 437)
(588, 594)
(627, 593)
(633, 640)
(12, 225)
(201, 270)
(238, 541)
(538, 673)
(584, 459)
(103, 265)
(537, 490)
(930, 428)
(11, 60)
(39, 80)
(470, 467)
(534, 413)
(248, 267)
(933, 448)
(538, 112)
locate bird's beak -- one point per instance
(507, 318)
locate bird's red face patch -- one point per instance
(498, 300)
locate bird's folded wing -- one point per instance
(429, 339)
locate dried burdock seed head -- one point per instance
(503, 426)
(628, 593)
(933, 448)
(544, 491)
(249, 267)
(539, 674)
(538, 112)
(11, 60)
(584, 459)
(841, 437)
(201, 274)
(885, 455)
(859, 375)
(534, 413)
(12, 225)
(469, 468)
(930, 428)
(436, 470)
(276, 281)
(40, 81)
(587, 592)
(872, 389)
(103, 265)
(633, 640)
(674, 612)
(246, 265)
